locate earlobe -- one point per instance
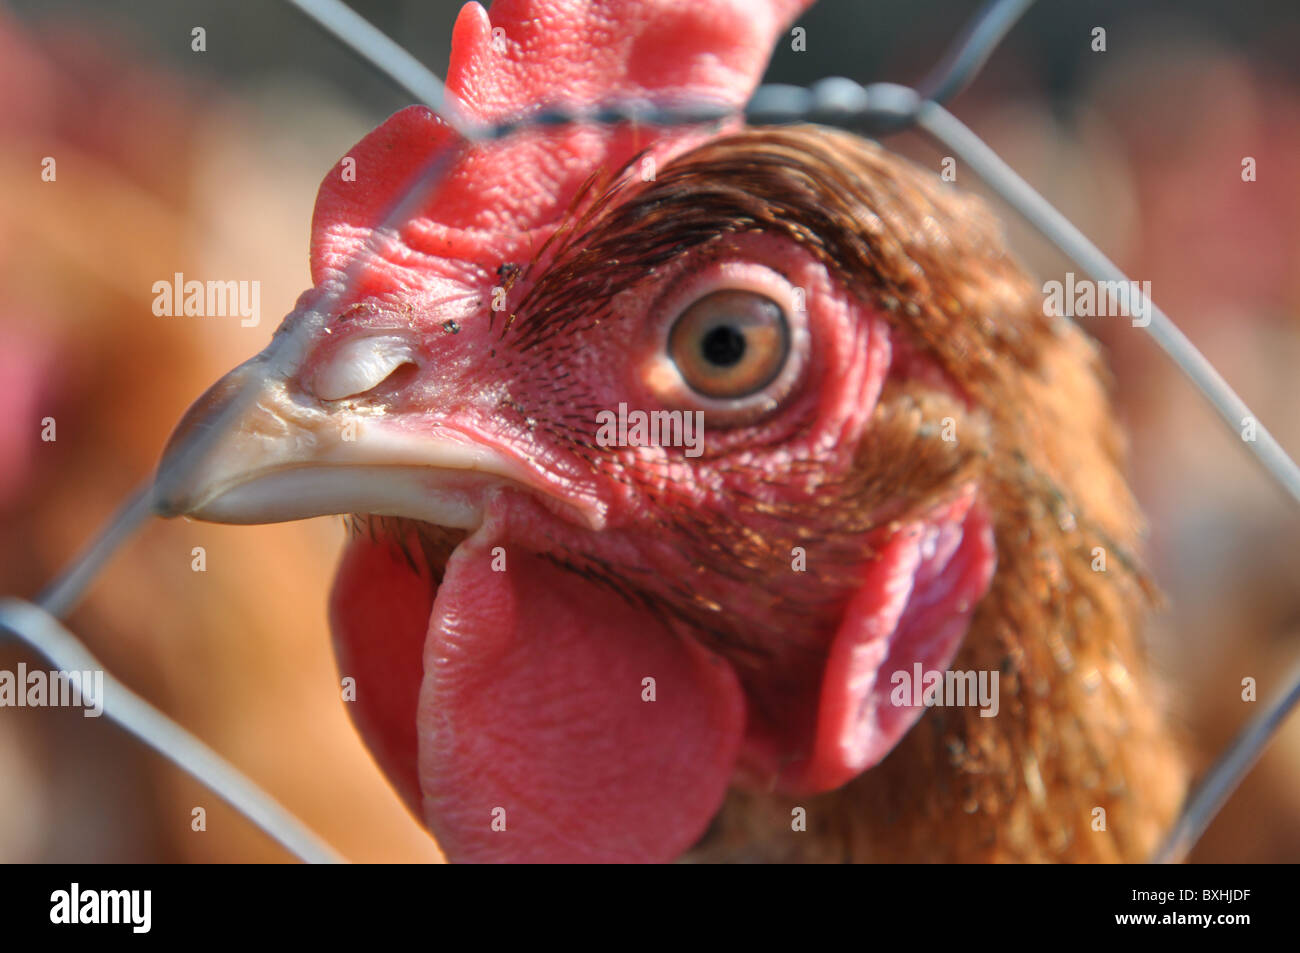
(907, 619)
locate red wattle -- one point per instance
(379, 615)
(536, 741)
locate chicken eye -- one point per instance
(730, 344)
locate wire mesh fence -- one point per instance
(879, 110)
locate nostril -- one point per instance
(360, 366)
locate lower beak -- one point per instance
(258, 452)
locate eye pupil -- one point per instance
(730, 344)
(723, 346)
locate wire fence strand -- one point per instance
(59, 597)
(389, 57)
(44, 633)
(878, 109)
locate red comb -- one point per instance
(499, 200)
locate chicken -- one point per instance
(568, 647)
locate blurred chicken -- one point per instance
(571, 650)
(79, 343)
(1175, 115)
(1209, 121)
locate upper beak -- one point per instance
(256, 449)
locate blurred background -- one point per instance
(207, 163)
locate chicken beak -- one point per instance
(255, 449)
